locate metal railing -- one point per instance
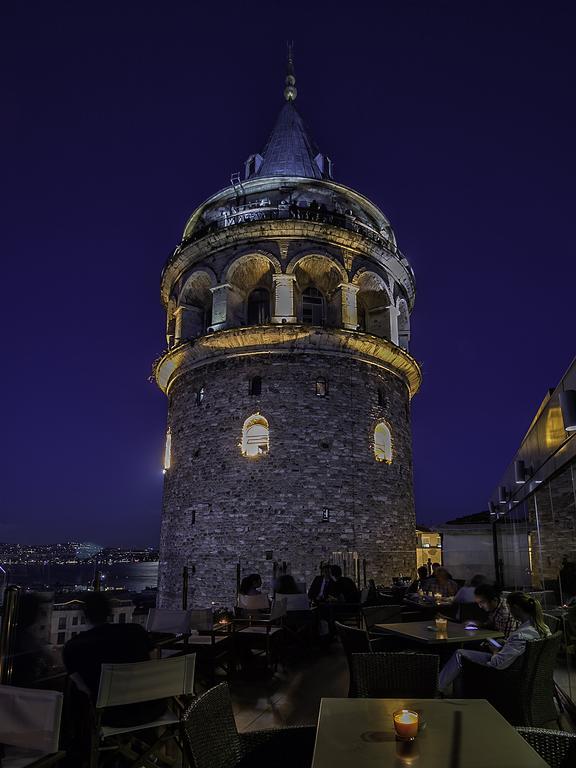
(248, 214)
(7, 633)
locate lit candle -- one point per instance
(437, 596)
(406, 723)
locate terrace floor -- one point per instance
(292, 695)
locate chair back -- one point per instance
(364, 593)
(30, 718)
(394, 675)
(557, 748)
(146, 681)
(380, 614)
(210, 729)
(168, 620)
(353, 640)
(201, 619)
(278, 608)
(536, 693)
(253, 602)
(296, 602)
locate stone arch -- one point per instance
(194, 310)
(247, 275)
(329, 257)
(316, 272)
(376, 310)
(403, 323)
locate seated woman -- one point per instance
(466, 594)
(441, 583)
(524, 609)
(250, 596)
(489, 598)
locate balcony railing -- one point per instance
(250, 213)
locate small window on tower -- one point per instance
(321, 387)
(199, 396)
(382, 399)
(383, 443)
(255, 436)
(255, 386)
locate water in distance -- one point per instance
(135, 577)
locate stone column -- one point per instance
(221, 309)
(283, 299)
(349, 306)
(392, 314)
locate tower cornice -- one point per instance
(287, 339)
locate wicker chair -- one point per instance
(523, 693)
(213, 740)
(395, 675)
(558, 748)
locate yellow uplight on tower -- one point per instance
(168, 451)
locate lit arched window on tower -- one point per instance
(312, 307)
(255, 436)
(168, 451)
(258, 307)
(383, 443)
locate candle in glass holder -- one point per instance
(437, 596)
(406, 724)
(441, 624)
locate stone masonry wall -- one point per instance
(221, 508)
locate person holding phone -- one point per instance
(528, 612)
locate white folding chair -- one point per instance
(142, 681)
(263, 632)
(30, 727)
(253, 602)
(165, 620)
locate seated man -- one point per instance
(524, 609)
(105, 643)
(441, 583)
(321, 587)
(343, 588)
(489, 598)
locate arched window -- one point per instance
(168, 451)
(258, 307)
(255, 386)
(312, 307)
(383, 443)
(321, 387)
(255, 436)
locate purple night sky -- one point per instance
(118, 118)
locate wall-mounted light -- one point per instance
(502, 494)
(491, 508)
(519, 472)
(568, 406)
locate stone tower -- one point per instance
(288, 380)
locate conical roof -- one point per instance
(290, 151)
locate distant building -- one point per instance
(468, 546)
(288, 379)
(534, 504)
(428, 546)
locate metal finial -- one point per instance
(290, 91)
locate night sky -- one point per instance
(118, 118)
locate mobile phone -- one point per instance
(494, 643)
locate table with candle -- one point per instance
(426, 632)
(364, 733)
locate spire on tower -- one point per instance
(290, 91)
